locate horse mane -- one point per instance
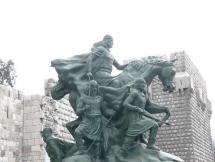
(139, 65)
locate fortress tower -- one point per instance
(189, 136)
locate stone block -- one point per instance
(36, 148)
(27, 135)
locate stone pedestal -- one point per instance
(137, 154)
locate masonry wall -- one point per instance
(32, 142)
(11, 124)
(200, 112)
(177, 138)
(40, 112)
(55, 114)
(189, 136)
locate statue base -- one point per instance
(137, 154)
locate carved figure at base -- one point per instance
(56, 149)
(139, 120)
(89, 109)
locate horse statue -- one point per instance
(146, 69)
(117, 87)
(114, 112)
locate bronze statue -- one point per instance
(113, 111)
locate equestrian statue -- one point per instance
(116, 118)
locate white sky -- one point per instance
(33, 32)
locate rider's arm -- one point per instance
(127, 103)
(118, 66)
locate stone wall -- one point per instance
(32, 142)
(175, 139)
(200, 112)
(189, 136)
(21, 120)
(56, 114)
(41, 112)
(213, 143)
(11, 124)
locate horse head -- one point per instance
(150, 67)
(167, 75)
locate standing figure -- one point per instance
(89, 109)
(139, 120)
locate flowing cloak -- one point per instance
(73, 70)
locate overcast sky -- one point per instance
(33, 32)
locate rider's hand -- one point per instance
(89, 74)
(140, 110)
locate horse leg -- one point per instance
(156, 109)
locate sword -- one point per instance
(158, 120)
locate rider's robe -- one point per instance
(73, 71)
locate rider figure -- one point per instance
(100, 64)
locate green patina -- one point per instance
(114, 112)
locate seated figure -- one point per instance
(56, 148)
